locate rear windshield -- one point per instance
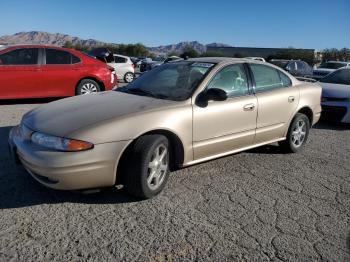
(341, 77)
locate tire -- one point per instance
(87, 86)
(146, 174)
(297, 135)
(129, 77)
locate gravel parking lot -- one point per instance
(260, 205)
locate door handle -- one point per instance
(249, 107)
(291, 99)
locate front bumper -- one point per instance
(336, 111)
(93, 168)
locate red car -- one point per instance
(33, 71)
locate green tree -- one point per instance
(190, 52)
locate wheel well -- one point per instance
(308, 112)
(100, 83)
(176, 152)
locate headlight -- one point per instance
(60, 143)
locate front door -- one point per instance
(224, 126)
(20, 73)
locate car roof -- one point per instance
(217, 60)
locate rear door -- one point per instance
(20, 73)
(277, 102)
(60, 72)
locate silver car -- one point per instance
(336, 96)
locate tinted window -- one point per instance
(57, 57)
(332, 65)
(173, 81)
(119, 59)
(292, 66)
(300, 65)
(75, 59)
(232, 79)
(341, 76)
(25, 56)
(266, 78)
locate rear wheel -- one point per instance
(128, 77)
(87, 86)
(298, 133)
(147, 168)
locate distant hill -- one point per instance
(38, 37)
(179, 47)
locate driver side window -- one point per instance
(232, 79)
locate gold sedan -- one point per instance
(175, 115)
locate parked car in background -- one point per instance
(296, 68)
(178, 114)
(124, 67)
(150, 64)
(29, 71)
(261, 59)
(336, 96)
(328, 67)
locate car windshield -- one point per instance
(332, 65)
(281, 64)
(173, 81)
(341, 77)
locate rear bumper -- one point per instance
(336, 111)
(93, 168)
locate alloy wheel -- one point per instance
(88, 88)
(157, 167)
(299, 133)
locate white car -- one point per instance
(124, 68)
(336, 95)
(328, 67)
(261, 59)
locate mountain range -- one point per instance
(38, 37)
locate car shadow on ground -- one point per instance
(19, 189)
(326, 124)
(28, 101)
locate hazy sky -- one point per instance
(305, 24)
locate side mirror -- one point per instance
(211, 94)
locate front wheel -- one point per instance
(147, 168)
(87, 86)
(129, 77)
(297, 135)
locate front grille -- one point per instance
(333, 113)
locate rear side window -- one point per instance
(23, 56)
(58, 57)
(75, 59)
(268, 78)
(119, 59)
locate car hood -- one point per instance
(61, 118)
(335, 90)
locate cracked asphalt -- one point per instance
(260, 205)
